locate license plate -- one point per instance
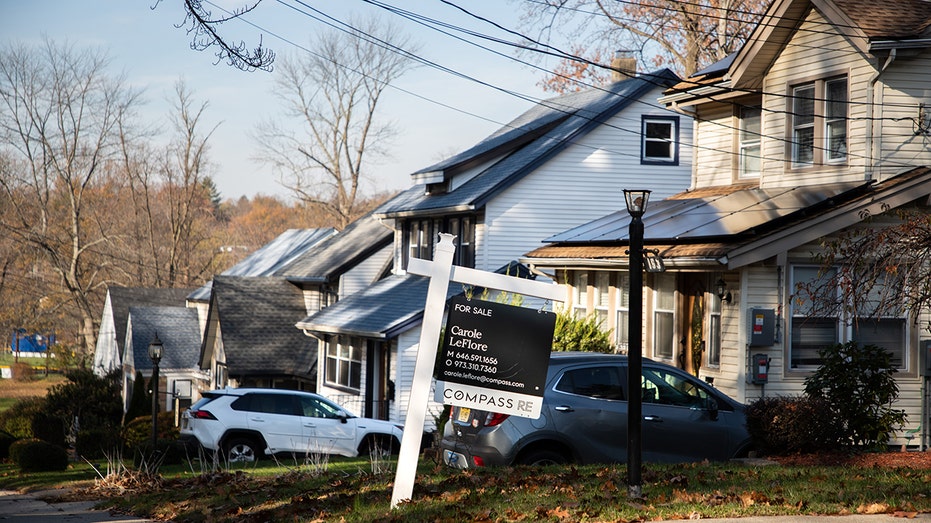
(464, 413)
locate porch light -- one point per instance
(720, 289)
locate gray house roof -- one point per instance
(272, 256)
(527, 142)
(178, 329)
(388, 306)
(256, 316)
(336, 254)
(122, 298)
(381, 310)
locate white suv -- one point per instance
(246, 424)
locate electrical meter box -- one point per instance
(762, 332)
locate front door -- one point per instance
(692, 315)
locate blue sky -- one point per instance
(437, 113)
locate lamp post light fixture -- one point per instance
(155, 354)
(720, 289)
(636, 206)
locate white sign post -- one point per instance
(441, 271)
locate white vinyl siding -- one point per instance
(583, 182)
(365, 273)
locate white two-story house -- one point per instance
(819, 122)
(559, 164)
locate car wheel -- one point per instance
(543, 457)
(382, 444)
(241, 450)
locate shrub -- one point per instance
(6, 439)
(48, 428)
(859, 385)
(582, 334)
(784, 425)
(33, 455)
(17, 420)
(97, 443)
(137, 435)
(87, 401)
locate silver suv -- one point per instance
(245, 424)
(584, 419)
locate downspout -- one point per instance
(873, 145)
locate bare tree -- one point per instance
(684, 36)
(60, 113)
(332, 95)
(875, 270)
(172, 235)
(204, 29)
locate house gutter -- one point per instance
(874, 143)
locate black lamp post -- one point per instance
(636, 206)
(155, 354)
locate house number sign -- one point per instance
(494, 357)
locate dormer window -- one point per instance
(421, 235)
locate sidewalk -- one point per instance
(31, 508)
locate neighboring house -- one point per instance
(108, 354)
(819, 121)
(250, 338)
(179, 377)
(265, 261)
(560, 163)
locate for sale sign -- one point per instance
(495, 357)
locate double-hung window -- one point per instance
(600, 299)
(818, 114)
(659, 140)
(622, 321)
(664, 310)
(580, 294)
(815, 326)
(421, 235)
(750, 133)
(714, 331)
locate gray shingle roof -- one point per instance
(388, 306)
(178, 329)
(529, 141)
(122, 298)
(338, 253)
(257, 317)
(272, 256)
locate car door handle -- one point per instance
(257, 420)
(564, 408)
(656, 419)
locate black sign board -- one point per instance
(495, 356)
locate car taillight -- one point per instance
(202, 414)
(479, 462)
(495, 418)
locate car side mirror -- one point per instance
(712, 406)
(343, 418)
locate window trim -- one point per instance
(819, 125)
(335, 343)
(673, 140)
(744, 144)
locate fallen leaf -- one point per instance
(905, 514)
(873, 508)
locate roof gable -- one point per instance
(177, 328)
(256, 319)
(565, 119)
(338, 253)
(122, 298)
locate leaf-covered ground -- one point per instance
(894, 483)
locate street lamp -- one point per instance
(155, 354)
(636, 206)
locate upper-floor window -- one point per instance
(749, 136)
(420, 236)
(819, 122)
(660, 140)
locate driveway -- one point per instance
(31, 508)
